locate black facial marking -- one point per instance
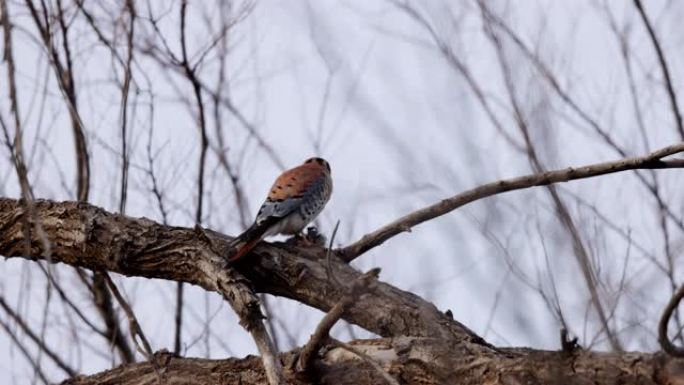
(320, 161)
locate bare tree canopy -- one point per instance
(507, 205)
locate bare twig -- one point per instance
(328, 254)
(71, 305)
(156, 190)
(130, 7)
(103, 303)
(221, 150)
(36, 367)
(178, 319)
(36, 339)
(405, 223)
(190, 72)
(133, 325)
(65, 79)
(460, 66)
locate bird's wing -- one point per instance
(289, 191)
(293, 189)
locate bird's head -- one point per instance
(320, 162)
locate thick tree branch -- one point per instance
(413, 360)
(425, 343)
(88, 237)
(653, 160)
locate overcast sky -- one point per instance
(365, 86)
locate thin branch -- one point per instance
(103, 304)
(461, 67)
(328, 254)
(65, 80)
(191, 75)
(156, 190)
(133, 325)
(663, 66)
(405, 223)
(36, 339)
(69, 303)
(16, 146)
(130, 7)
(36, 367)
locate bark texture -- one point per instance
(411, 361)
(419, 344)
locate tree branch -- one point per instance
(133, 325)
(653, 160)
(412, 360)
(424, 341)
(91, 238)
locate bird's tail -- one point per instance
(246, 241)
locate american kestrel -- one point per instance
(296, 198)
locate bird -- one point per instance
(296, 198)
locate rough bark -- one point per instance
(421, 344)
(411, 361)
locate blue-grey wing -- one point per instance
(278, 209)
